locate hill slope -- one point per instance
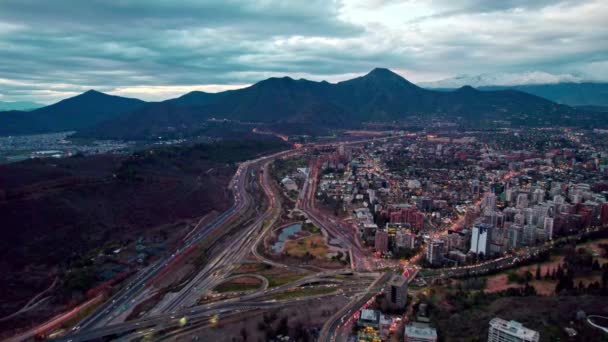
(572, 94)
(84, 110)
(381, 95)
(55, 211)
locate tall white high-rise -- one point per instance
(480, 238)
(548, 227)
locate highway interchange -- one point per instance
(249, 177)
(105, 321)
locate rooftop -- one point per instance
(513, 328)
(397, 280)
(370, 315)
(420, 330)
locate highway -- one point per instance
(165, 321)
(331, 328)
(257, 300)
(109, 314)
(216, 271)
(118, 303)
(121, 300)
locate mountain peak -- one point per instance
(92, 92)
(382, 72)
(466, 88)
(275, 81)
(384, 77)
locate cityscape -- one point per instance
(252, 195)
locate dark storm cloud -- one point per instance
(57, 48)
(123, 43)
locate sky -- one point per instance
(159, 49)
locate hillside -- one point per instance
(572, 94)
(84, 110)
(381, 95)
(54, 211)
(301, 106)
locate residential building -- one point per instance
(419, 332)
(548, 228)
(510, 331)
(396, 292)
(369, 318)
(480, 238)
(381, 241)
(435, 251)
(405, 239)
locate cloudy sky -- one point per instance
(157, 49)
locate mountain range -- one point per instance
(568, 89)
(572, 94)
(19, 105)
(379, 96)
(504, 79)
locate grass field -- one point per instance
(251, 268)
(314, 244)
(282, 279)
(276, 276)
(239, 285)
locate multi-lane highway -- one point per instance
(123, 299)
(332, 326)
(218, 268)
(165, 321)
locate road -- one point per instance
(257, 300)
(507, 261)
(218, 268)
(165, 321)
(346, 236)
(125, 298)
(331, 329)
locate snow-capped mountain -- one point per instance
(504, 79)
